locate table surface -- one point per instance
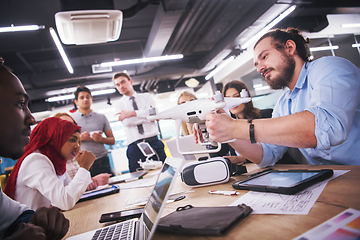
(339, 194)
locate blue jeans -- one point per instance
(134, 154)
(101, 165)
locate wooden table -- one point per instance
(340, 193)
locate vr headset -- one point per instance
(209, 172)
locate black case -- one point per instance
(203, 220)
(299, 186)
(99, 193)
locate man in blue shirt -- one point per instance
(319, 113)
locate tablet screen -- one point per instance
(280, 179)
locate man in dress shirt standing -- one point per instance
(133, 110)
(93, 124)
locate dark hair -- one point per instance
(81, 89)
(3, 67)
(121, 74)
(280, 37)
(249, 110)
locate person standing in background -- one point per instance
(93, 124)
(133, 110)
(186, 128)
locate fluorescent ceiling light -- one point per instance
(254, 38)
(257, 85)
(192, 83)
(316, 49)
(73, 89)
(142, 60)
(61, 50)
(71, 96)
(221, 66)
(60, 98)
(102, 92)
(350, 25)
(268, 27)
(355, 45)
(21, 28)
(262, 88)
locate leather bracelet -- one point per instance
(251, 131)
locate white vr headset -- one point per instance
(209, 172)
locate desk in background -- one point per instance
(340, 193)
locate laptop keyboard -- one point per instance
(120, 231)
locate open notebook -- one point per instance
(144, 228)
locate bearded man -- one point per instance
(319, 113)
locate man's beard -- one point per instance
(286, 72)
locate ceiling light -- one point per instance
(12, 28)
(61, 50)
(71, 96)
(350, 25)
(221, 66)
(269, 26)
(60, 98)
(355, 45)
(254, 38)
(71, 90)
(316, 49)
(142, 60)
(102, 92)
(192, 83)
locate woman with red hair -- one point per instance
(39, 177)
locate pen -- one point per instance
(261, 172)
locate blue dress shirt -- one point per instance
(330, 89)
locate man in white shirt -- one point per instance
(17, 221)
(133, 110)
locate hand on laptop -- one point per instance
(52, 221)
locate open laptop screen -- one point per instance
(160, 194)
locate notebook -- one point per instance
(127, 177)
(144, 228)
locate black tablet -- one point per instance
(99, 193)
(283, 181)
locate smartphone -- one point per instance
(146, 149)
(121, 215)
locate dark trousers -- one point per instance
(101, 165)
(134, 154)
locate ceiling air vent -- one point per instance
(96, 68)
(88, 26)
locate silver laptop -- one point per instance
(144, 228)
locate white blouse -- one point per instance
(38, 185)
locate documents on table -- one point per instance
(273, 203)
(146, 182)
(345, 225)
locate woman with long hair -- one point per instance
(243, 111)
(186, 128)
